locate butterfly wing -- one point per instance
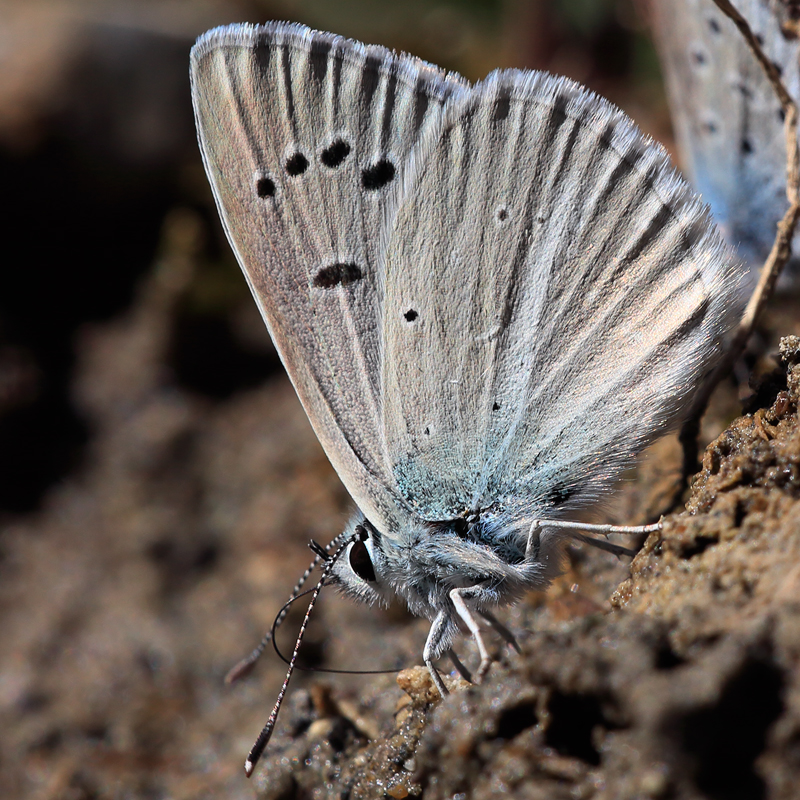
(305, 137)
(554, 291)
(728, 122)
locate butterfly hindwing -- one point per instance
(553, 292)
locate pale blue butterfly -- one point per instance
(489, 298)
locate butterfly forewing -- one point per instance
(306, 137)
(553, 293)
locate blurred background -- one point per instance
(158, 479)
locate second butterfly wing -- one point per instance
(728, 122)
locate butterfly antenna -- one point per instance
(245, 666)
(267, 730)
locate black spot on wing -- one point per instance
(339, 274)
(296, 164)
(378, 175)
(265, 187)
(335, 153)
(553, 132)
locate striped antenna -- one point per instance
(266, 731)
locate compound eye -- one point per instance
(361, 563)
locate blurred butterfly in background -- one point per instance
(489, 298)
(728, 122)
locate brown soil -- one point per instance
(144, 569)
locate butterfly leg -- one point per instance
(532, 547)
(460, 668)
(501, 629)
(432, 646)
(572, 529)
(457, 596)
(602, 544)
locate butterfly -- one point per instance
(729, 124)
(489, 298)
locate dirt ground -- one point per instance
(160, 483)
